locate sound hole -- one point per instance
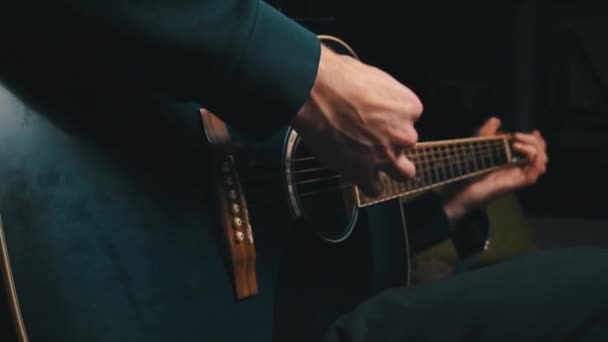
(326, 202)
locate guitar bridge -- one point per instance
(234, 216)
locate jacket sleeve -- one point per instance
(428, 225)
(242, 59)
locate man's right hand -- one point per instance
(359, 120)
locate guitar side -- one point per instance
(12, 322)
(115, 236)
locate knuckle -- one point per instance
(414, 107)
(408, 136)
(387, 154)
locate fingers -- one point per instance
(541, 141)
(535, 140)
(401, 169)
(490, 127)
(404, 137)
(371, 185)
(528, 150)
(533, 147)
(396, 166)
(529, 139)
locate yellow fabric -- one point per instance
(509, 235)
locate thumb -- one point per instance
(402, 169)
(490, 127)
(371, 186)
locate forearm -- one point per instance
(429, 223)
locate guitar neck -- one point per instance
(442, 162)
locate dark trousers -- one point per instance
(553, 295)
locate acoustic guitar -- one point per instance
(159, 222)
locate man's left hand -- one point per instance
(479, 191)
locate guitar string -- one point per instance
(456, 160)
(422, 167)
(498, 142)
(419, 161)
(451, 155)
(425, 178)
(443, 158)
(419, 164)
(455, 165)
(345, 185)
(484, 150)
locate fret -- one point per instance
(473, 156)
(485, 155)
(414, 183)
(481, 161)
(449, 164)
(503, 151)
(441, 163)
(461, 167)
(426, 178)
(403, 187)
(413, 156)
(469, 161)
(398, 186)
(384, 179)
(430, 166)
(420, 169)
(463, 154)
(456, 161)
(417, 160)
(502, 156)
(452, 161)
(461, 170)
(441, 174)
(490, 153)
(395, 187)
(420, 165)
(495, 153)
(436, 163)
(390, 186)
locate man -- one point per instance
(235, 55)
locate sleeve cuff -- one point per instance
(426, 221)
(275, 74)
(428, 225)
(470, 235)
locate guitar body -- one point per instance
(112, 228)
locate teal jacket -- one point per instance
(110, 209)
(228, 55)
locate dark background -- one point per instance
(535, 64)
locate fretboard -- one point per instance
(442, 162)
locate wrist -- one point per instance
(456, 203)
(454, 211)
(305, 117)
